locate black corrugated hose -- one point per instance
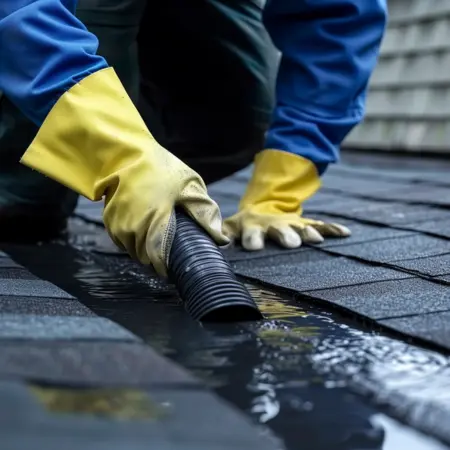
(204, 279)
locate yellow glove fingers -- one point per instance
(204, 210)
(317, 227)
(207, 214)
(284, 236)
(229, 231)
(310, 235)
(332, 229)
(253, 238)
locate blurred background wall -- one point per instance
(408, 107)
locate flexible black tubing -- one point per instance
(205, 281)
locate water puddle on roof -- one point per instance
(296, 372)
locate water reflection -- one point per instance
(119, 404)
(269, 374)
(290, 372)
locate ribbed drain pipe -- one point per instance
(204, 279)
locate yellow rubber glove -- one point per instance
(95, 142)
(272, 204)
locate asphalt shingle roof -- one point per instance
(394, 270)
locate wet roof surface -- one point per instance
(98, 353)
(398, 255)
(395, 264)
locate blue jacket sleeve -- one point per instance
(329, 50)
(44, 51)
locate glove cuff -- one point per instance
(284, 179)
(92, 131)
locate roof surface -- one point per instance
(75, 339)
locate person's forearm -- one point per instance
(329, 51)
(44, 51)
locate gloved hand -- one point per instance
(272, 204)
(95, 142)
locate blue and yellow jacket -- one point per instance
(44, 51)
(329, 49)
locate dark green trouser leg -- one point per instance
(32, 207)
(116, 24)
(21, 187)
(208, 72)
